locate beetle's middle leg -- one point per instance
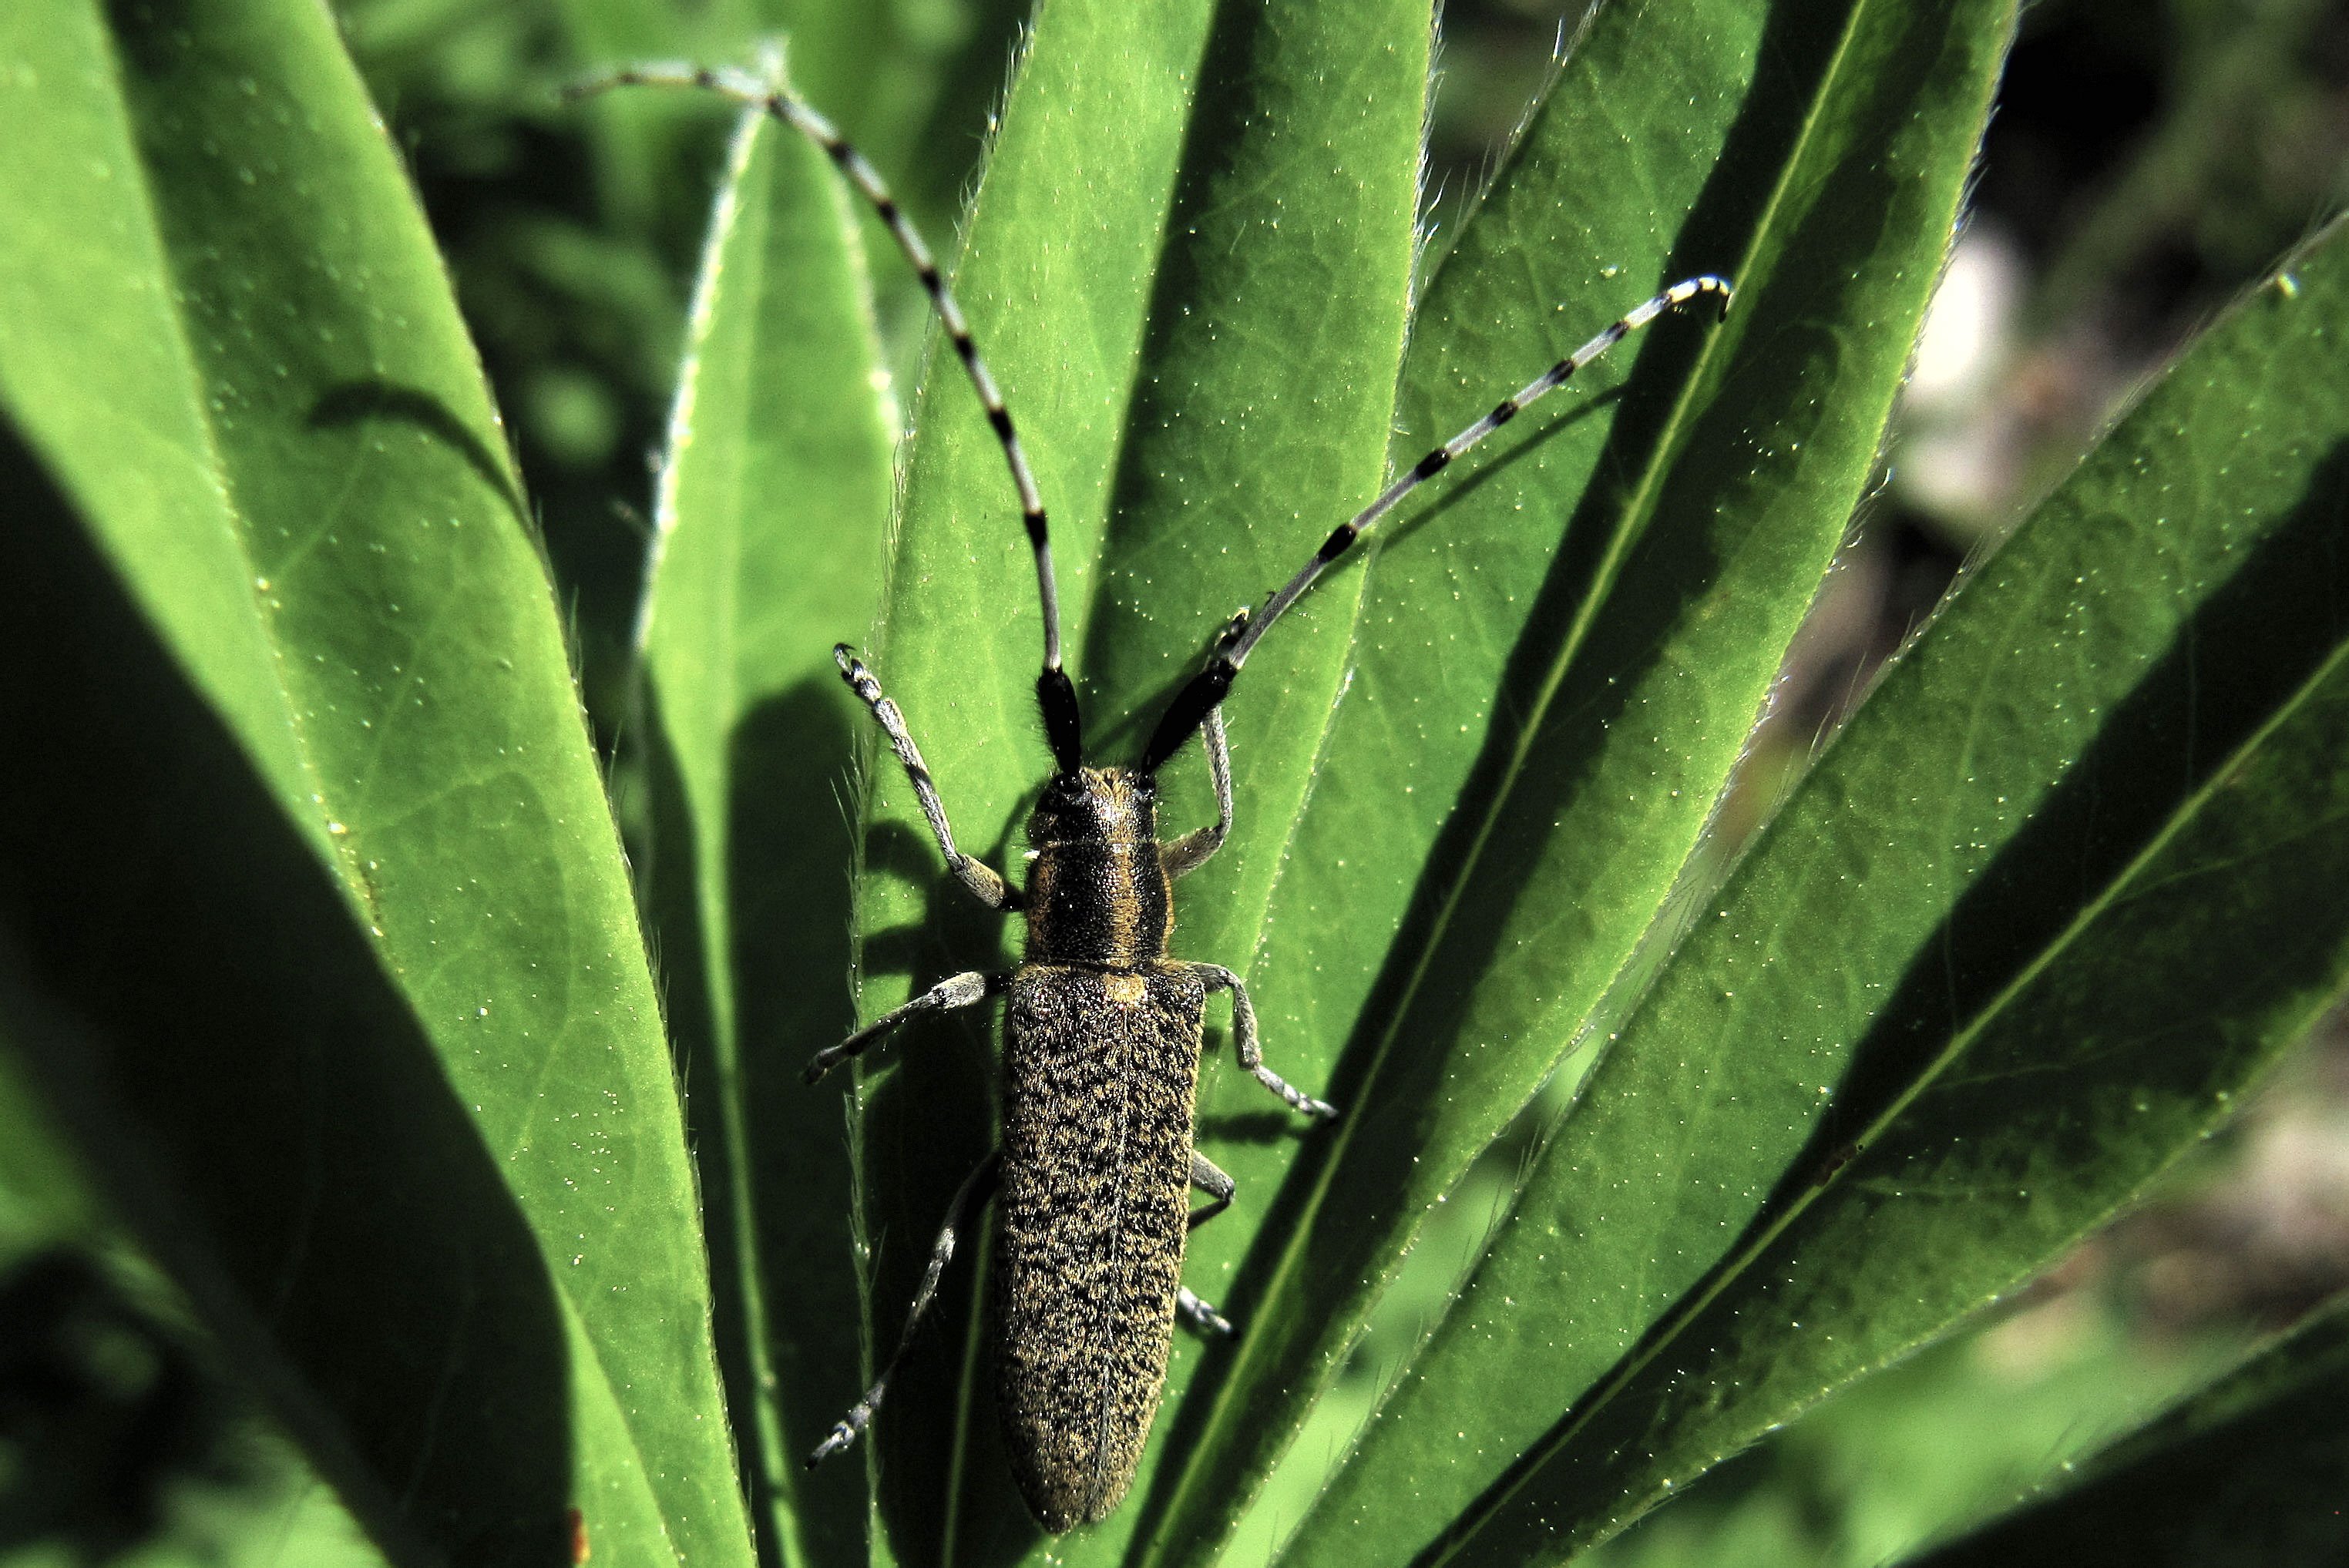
(980, 878)
(1207, 1176)
(1250, 1050)
(957, 991)
(976, 1189)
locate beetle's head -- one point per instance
(1095, 806)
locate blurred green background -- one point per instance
(2147, 161)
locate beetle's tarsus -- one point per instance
(843, 1434)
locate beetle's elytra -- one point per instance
(1099, 1068)
(1101, 1034)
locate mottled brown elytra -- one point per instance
(1101, 1055)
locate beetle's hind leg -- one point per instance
(956, 991)
(1209, 1177)
(1249, 1049)
(976, 1189)
(980, 878)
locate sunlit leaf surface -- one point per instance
(307, 847)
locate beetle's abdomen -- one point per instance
(1101, 1067)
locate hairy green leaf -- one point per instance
(774, 503)
(1537, 732)
(308, 846)
(1188, 267)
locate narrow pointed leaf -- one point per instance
(1536, 730)
(775, 504)
(387, 1060)
(1054, 278)
(221, 1042)
(2060, 891)
(1277, 334)
(2248, 1470)
(1191, 281)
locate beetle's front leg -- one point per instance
(980, 878)
(1189, 853)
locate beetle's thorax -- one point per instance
(1097, 891)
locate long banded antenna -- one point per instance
(1207, 689)
(1054, 692)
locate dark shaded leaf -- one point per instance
(2055, 896)
(2246, 1472)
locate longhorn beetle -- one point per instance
(1101, 1045)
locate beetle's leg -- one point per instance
(1206, 1319)
(1208, 1179)
(1245, 1042)
(980, 878)
(976, 1189)
(1207, 1176)
(958, 991)
(1189, 853)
